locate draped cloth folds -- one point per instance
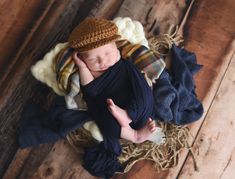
(128, 89)
(38, 125)
(172, 100)
(174, 92)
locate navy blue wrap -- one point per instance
(39, 126)
(126, 86)
(174, 98)
(174, 92)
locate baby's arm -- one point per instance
(84, 73)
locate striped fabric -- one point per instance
(64, 68)
(142, 57)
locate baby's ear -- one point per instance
(75, 55)
(79, 55)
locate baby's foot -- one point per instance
(144, 133)
(119, 113)
(158, 137)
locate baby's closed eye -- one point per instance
(92, 60)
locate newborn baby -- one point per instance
(117, 95)
(93, 65)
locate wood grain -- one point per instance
(18, 86)
(155, 15)
(61, 17)
(209, 32)
(106, 9)
(215, 144)
(19, 20)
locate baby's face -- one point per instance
(101, 58)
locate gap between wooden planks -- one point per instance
(210, 34)
(215, 144)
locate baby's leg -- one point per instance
(138, 136)
(120, 114)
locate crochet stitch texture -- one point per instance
(92, 33)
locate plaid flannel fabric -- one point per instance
(142, 57)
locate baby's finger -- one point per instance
(78, 61)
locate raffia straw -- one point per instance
(163, 156)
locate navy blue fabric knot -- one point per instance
(174, 92)
(102, 160)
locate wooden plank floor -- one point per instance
(31, 28)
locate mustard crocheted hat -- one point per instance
(92, 33)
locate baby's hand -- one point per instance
(78, 61)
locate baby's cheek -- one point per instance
(93, 66)
(118, 54)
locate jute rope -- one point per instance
(161, 44)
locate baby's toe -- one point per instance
(151, 125)
(149, 121)
(110, 102)
(152, 129)
(111, 108)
